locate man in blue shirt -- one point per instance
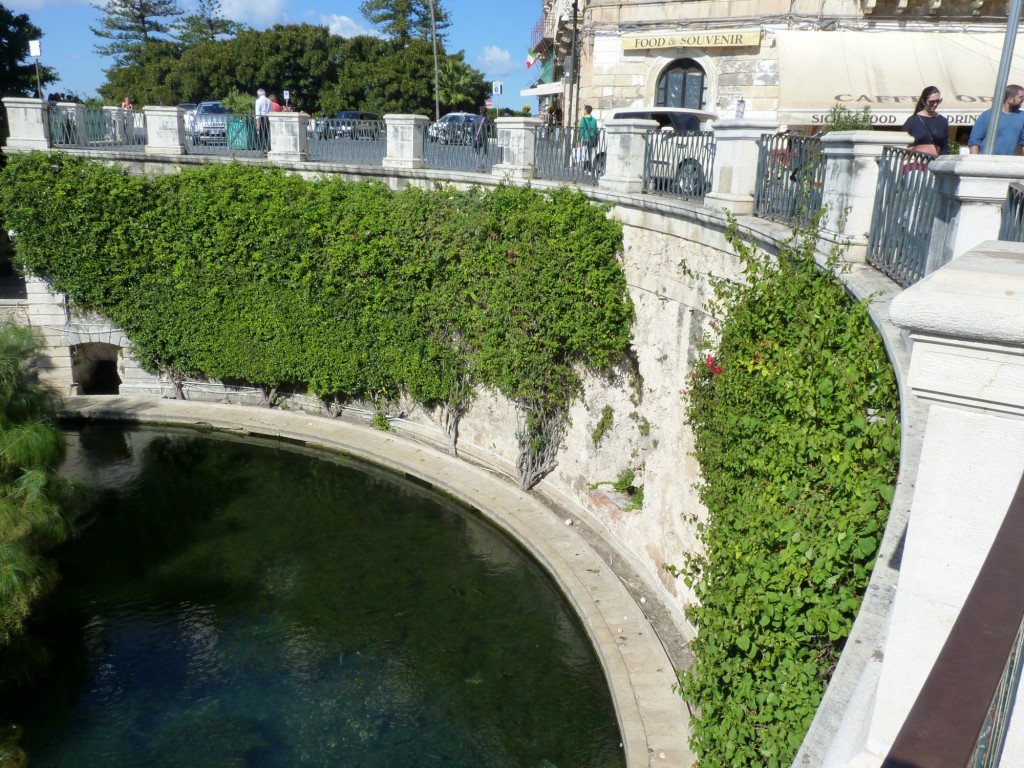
(1009, 133)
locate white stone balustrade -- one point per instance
(624, 158)
(288, 137)
(971, 192)
(517, 139)
(405, 142)
(734, 177)
(851, 177)
(28, 123)
(165, 130)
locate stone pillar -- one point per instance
(966, 325)
(288, 139)
(405, 142)
(517, 139)
(47, 313)
(165, 130)
(28, 123)
(971, 191)
(734, 178)
(624, 155)
(851, 178)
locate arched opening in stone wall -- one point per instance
(683, 84)
(98, 368)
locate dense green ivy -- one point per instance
(794, 410)
(347, 291)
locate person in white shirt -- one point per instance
(263, 110)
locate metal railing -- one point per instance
(960, 717)
(461, 147)
(97, 128)
(790, 178)
(232, 135)
(560, 155)
(354, 142)
(679, 164)
(901, 223)
(1011, 226)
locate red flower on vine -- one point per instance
(511, 254)
(713, 367)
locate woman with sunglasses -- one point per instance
(929, 129)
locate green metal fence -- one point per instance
(561, 156)
(1011, 227)
(901, 223)
(96, 128)
(790, 178)
(678, 164)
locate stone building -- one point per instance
(784, 60)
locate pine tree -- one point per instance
(406, 19)
(206, 25)
(130, 24)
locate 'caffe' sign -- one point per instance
(733, 38)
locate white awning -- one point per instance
(886, 72)
(544, 89)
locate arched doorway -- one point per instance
(682, 84)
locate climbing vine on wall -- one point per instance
(346, 291)
(794, 409)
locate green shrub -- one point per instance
(795, 420)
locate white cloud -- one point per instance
(20, 6)
(494, 61)
(258, 14)
(346, 26)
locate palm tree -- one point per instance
(459, 84)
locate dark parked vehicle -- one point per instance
(681, 154)
(351, 124)
(210, 123)
(454, 128)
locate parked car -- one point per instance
(681, 155)
(350, 124)
(210, 123)
(189, 117)
(454, 128)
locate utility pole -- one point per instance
(437, 90)
(573, 68)
(1012, 23)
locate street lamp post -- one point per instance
(433, 35)
(35, 52)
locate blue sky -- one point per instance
(494, 36)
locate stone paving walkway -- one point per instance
(652, 718)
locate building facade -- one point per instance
(785, 60)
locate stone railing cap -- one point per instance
(978, 296)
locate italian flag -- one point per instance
(531, 58)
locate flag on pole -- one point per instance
(531, 58)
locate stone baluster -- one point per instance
(517, 140)
(851, 178)
(288, 137)
(405, 142)
(734, 175)
(624, 155)
(28, 124)
(971, 191)
(165, 130)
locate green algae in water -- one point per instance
(247, 604)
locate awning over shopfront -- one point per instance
(886, 71)
(544, 89)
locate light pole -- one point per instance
(437, 90)
(574, 98)
(35, 52)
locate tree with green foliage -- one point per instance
(795, 416)
(461, 87)
(405, 20)
(205, 25)
(17, 70)
(35, 503)
(129, 25)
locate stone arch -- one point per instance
(660, 65)
(97, 368)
